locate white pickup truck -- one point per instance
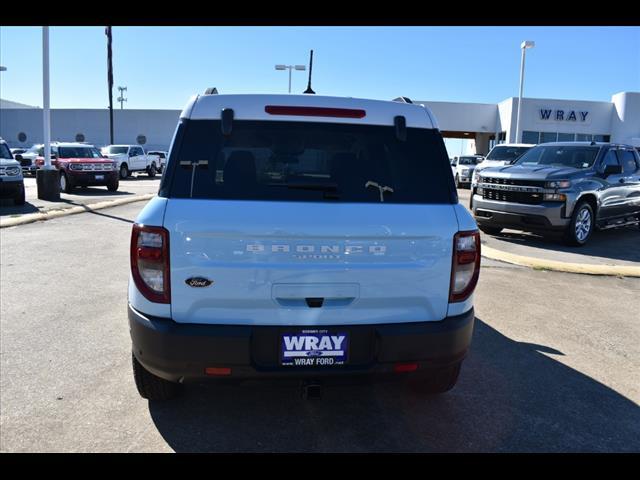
(132, 158)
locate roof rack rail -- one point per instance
(211, 91)
(403, 100)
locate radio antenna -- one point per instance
(309, 90)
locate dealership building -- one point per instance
(541, 120)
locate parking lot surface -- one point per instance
(554, 366)
(608, 247)
(138, 184)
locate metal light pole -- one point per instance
(290, 67)
(47, 177)
(107, 32)
(524, 45)
(121, 97)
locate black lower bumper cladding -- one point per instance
(176, 351)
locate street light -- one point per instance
(524, 45)
(290, 67)
(121, 98)
(3, 69)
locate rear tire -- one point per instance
(438, 381)
(152, 387)
(19, 199)
(457, 180)
(151, 171)
(581, 225)
(490, 230)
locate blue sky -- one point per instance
(163, 66)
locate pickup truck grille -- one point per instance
(511, 181)
(528, 198)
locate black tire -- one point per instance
(152, 387)
(490, 230)
(571, 235)
(457, 181)
(152, 170)
(113, 185)
(65, 183)
(19, 198)
(438, 381)
(124, 171)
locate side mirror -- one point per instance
(612, 169)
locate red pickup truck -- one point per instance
(81, 165)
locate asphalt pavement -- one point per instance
(554, 366)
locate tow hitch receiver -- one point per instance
(311, 390)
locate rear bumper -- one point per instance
(180, 352)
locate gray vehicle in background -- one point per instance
(565, 187)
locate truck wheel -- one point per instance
(490, 230)
(150, 386)
(457, 180)
(581, 225)
(152, 170)
(65, 184)
(124, 171)
(113, 185)
(438, 381)
(19, 198)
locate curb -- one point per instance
(542, 264)
(48, 215)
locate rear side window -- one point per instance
(304, 161)
(629, 164)
(611, 158)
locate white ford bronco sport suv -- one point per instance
(305, 237)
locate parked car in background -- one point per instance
(304, 237)
(162, 156)
(132, 158)
(565, 187)
(82, 165)
(462, 169)
(11, 179)
(28, 157)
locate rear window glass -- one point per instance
(296, 161)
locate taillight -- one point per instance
(465, 267)
(150, 262)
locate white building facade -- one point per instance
(541, 120)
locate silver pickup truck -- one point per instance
(565, 187)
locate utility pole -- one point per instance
(121, 97)
(110, 82)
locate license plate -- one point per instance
(99, 177)
(314, 348)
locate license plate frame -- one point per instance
(297, 349)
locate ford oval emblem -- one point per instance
(198, 282)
